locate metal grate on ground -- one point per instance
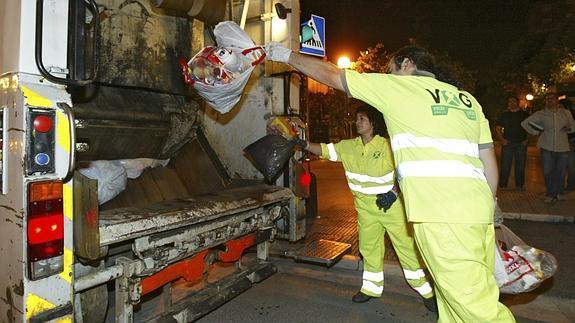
(341, 225)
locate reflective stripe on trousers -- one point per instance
(372, 283)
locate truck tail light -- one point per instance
(41, 144)
(45, 229)
(305, 179)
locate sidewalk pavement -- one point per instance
(529, 205)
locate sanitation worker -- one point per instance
(446, 167)
(369, 169)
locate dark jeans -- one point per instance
(509, 152)
(554, 167)
(571, 168)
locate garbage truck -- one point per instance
(123, 196)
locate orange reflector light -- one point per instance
(45, 191)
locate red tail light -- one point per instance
(45, 229)
(305, 179)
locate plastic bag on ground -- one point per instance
(220, 73)
(520, 268)
(270, 154)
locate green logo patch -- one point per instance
(443, 110)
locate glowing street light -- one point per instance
(573, 67)
(343, 62)
(529, 97)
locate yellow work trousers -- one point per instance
(373, 223)
(460, 259)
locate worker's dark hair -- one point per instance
(424, 61)
(419, 56)
(375, 117)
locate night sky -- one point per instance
(471, 32)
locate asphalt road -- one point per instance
(306, 293)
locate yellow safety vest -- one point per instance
(436, 130)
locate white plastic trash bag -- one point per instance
(111, 176)
(220, 73)
(520, 268)
(135, 167)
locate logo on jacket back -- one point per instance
(446, 100)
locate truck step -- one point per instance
(322, 252)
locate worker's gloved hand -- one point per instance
(385, 201)
(300, 142)
(277, 52)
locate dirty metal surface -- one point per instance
(139, 46)
(322, 251)
(131, 222)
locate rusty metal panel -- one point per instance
(86, 229)
(140, 46)
(112, 121)
(199, 167)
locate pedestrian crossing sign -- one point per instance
(312, 36)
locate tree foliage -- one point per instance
(375, 60)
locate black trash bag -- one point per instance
(270, 154)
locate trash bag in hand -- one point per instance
(518, 267)
(220, 73)
(270, 154)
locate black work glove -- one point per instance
(300, 142)
(385, 201)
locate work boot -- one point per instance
(430, 304)
(360, 297)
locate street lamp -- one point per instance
(343, 62)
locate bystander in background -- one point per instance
(513, 140)
(552, 124)
(570, 180)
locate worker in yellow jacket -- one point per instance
(444, 156)
(369, 168)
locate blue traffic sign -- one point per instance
(312, 36)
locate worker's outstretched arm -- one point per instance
(487, 156)
(321, 71)
(309, 146)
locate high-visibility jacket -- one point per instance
(370, 171)
(435, 145)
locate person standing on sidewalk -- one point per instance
(369, 169)
(570, 180)
(513, 143)
(552, 124)
(447, 172)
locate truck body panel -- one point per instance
(164, 236)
